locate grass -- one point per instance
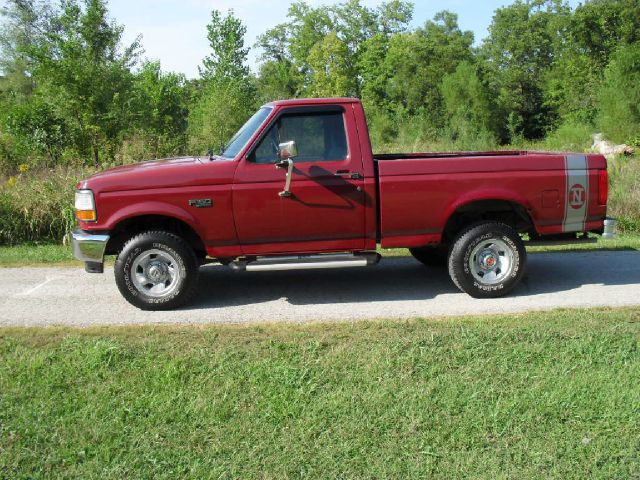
(32, 254)
(550, 395)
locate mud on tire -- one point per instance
(157, 270)
(487, 260)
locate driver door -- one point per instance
(326, 209)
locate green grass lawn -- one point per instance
(60, 255)
(550, 395)
(36, 254)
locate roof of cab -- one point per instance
(313, 101)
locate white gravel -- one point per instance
(397, 288)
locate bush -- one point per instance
(38, 206)
(570, 136)
(620, 95)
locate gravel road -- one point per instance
(397, 288)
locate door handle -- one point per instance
(347, 174)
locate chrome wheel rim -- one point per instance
(155, 273)
(491, 261)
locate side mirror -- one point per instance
(287, 150)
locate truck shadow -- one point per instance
(403, 278)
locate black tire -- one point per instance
(431, 256)
(487, 260)
(161, 256)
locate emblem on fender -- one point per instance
(201, 202)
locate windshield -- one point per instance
(243, 135)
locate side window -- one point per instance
(318, 136)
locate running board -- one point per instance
(306, 262)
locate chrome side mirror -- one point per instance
(287, 150)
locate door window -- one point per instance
(318, 136)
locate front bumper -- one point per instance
(89, 248)
(609, 232)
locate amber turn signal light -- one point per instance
(86, 215)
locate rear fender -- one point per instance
(487, 194)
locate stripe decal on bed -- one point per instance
(577, 193)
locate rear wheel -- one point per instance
(431, 256)
(487, 260)
(157, 270)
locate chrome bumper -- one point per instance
(609, 232)
(89, 248)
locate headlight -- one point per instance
(85, 206)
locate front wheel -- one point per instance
(157, 270)
(487, 260)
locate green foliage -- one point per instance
(220, 110)
(545, 395)
(520, 51)
(227, 96)
(620, 95)
(39, 129)
(161, 109)
(570, 136)
(469, 110)
(38, 207)
(418, 61)
(228, 53)
(84, 72)
(328, 62)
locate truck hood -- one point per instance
(166, 173)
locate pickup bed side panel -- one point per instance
(418, 196)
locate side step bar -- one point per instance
(306, 262)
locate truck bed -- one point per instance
(420, 191)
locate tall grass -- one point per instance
(38, 207)
(624, 196)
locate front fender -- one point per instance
(152, 207)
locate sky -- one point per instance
(174, 31)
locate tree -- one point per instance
(593, 32)
(520, 51)
(329, 65)
(469, 110)
(418, 61)
(82, 69)
(161, 109)
(23, 29)
(227, 60)
(278, 77)
(226, 95)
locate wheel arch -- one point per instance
(506, 210)
(131, 226)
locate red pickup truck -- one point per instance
(298, 187)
